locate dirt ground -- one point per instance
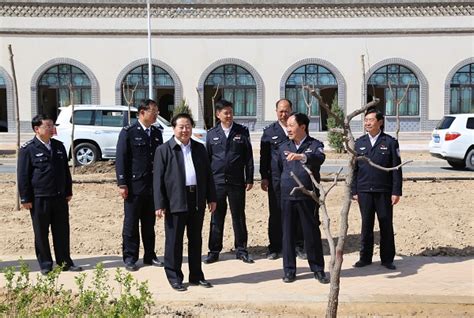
(433, 218)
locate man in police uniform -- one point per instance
(376, 190)
(230, 153)
(134, 168)
(45, 187)
(300, 149)
(274, 135)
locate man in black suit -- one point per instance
(300, 149)
(376, 190)
(273, 136)
(230, 153)
(134, 168)
(45, 187)
(183, 184)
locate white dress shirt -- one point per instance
(190, 172)
(227, 130)
(373, 140)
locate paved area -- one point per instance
(431, 280)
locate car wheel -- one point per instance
(456, 164)
(470, 160)
(85, 154)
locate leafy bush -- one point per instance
(183, 107)
(335, 139)
(47, 298)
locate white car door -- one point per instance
(108, 124)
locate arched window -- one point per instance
(462, 90)
(163, 88)
(54, 88)
(390, 84)
(3, 105)
(233, 83)
(318, 77)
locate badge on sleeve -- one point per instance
(398, 152)
(321, 149)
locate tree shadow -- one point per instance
(408, 265)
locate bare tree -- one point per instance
(201, 108)
(73, 155)
(213, 100)
(129, 96)
(397, 103)
(17, 121)
(307, 102)
(337, 252)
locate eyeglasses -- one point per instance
(47, 126)
(153, 112)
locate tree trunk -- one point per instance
(17, 123)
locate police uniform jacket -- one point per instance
(273, 136)
(314, 151)
(385, 153)
(43, 173)
(231, 157)
(169, 179)
(134, 158)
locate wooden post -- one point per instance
(17, 122)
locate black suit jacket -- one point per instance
(43, 173)
(134, 158)
(169, 180)
(385, 153)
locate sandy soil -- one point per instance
(433, 218)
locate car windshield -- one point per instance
(445, 123)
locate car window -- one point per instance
(446, 122)
(109, 118)
(133, 117)
(470, 123)
(83, 117)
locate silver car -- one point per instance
(97, 127)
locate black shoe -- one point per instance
(301, 253)
(272, 256)
(361, 263)
(154, 262)
(389, 266)
(245, 258)
(72, 268)
(321, 277)
(211, 258)
(131, 267)
(45, 271)
(289, 278)
(178, 287)
(203, 283)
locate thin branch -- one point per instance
(370, 162)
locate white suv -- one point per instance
(97, 129)
(453, 140)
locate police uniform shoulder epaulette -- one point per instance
(127, 127)
(29, 142)
(213, 128)
(268, 126)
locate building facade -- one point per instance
(418, 57)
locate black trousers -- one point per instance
(175, 224)
(380, 203)
(306, 210)
(275, 232)
(54, 212)
(139, 210)
(236, 196)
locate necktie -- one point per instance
(147, 131)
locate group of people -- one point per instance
(178, 179)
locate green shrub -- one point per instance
(183, 107)
(46, 298)
(335, 139)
